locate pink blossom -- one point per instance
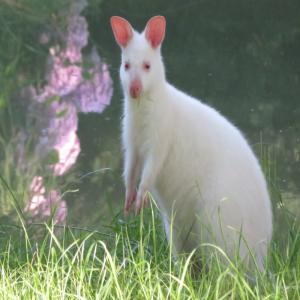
(52, 110)
(94, 95)
(60, 121)
(68, 150)
(43, 205)
(77, 32)
(65, 76)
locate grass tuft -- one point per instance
(133, 263)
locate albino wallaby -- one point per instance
(198, 166)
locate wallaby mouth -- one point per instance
(135, 89)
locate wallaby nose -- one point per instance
(135, 88)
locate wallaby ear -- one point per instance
(155, 30)
(122, 30)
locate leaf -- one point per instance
(61, 113)
(11, 68)
(52, 158)
(86, 64)
(67, 63)
(87, 75)
(2, 102)
(52, 99)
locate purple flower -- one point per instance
(52, 119)
(65, 75)
(77, 33)
(59, 121)
(68, 149)
(95, 94)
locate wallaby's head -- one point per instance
(141, 68)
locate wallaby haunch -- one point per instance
(198, 166)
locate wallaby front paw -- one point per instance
(142, 199)
(130, 198)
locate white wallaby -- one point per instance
(198, 166)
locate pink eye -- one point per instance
(127, 66)
(146, 66)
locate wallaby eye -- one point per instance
(127, 66)
(146, 66)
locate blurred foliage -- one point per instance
(21, 24)
(22, 56)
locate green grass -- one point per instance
(131, 261)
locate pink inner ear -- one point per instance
(155, 30)
(122, 30)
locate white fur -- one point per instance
(198, 166)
